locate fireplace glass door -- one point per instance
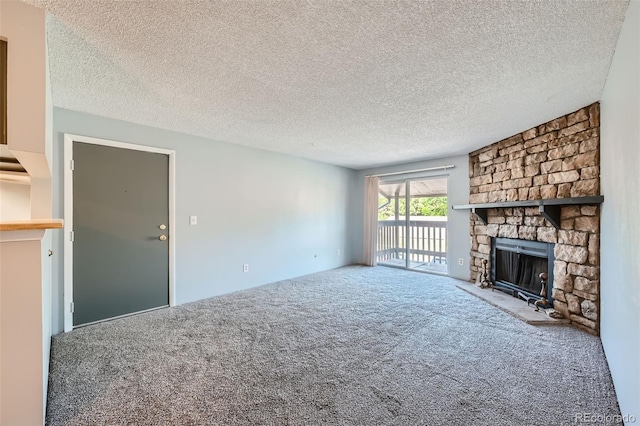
(517, 265)
(521, 270)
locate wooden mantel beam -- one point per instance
(549, 209)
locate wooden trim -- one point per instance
(28, 225)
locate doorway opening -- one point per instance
(412, 225)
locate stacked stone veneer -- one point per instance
(558, 159)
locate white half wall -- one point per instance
(459, 240)
(283, 215)
(620, 240)
(24, 342)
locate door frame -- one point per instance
(69, 139)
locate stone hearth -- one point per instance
(558, 159)
(511, 305)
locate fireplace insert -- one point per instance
(516, 266)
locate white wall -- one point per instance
(282, 215)
(14, 201)
(27, 97)
(46, 263)
(458, 222)
(24, 27)
(620, 240)
(22, 355)
(26, 272)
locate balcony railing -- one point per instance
(427, 241)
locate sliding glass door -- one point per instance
(412, 224)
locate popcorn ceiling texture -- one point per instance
(357, 84)
(558, 159)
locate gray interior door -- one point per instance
(120, 204)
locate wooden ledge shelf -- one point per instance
(549, 209)
(30, 225)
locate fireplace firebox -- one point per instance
(516, 266)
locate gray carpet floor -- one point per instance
(351, 346)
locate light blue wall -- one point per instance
(459, 239)
(282, 215)
(620, 235)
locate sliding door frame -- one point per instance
(407, 237)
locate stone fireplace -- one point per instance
(555, 160)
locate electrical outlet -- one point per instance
(193, 220)
(245, 267)
(338, 252)
(461, 261)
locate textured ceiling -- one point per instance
(358, 84)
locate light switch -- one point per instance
(193, 220)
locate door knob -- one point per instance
(163, 226)
(162, 237)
